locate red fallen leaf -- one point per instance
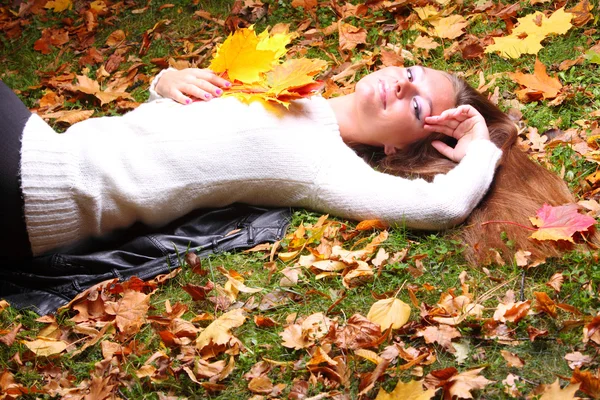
(264, 322)
(560, 223)
(198, 292)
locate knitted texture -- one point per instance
(163, 159)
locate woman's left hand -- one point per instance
(463, 123)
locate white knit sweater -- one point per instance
(162, 160)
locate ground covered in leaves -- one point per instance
(336, 309)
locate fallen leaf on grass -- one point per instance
(412, 390)
(359, 332)
(592, 331)
(130, 311)
(59, 5)
(556, 281)
(450, 27)
(442, 335)
(526, 38)
(577, 359)
(537, 85)
(588, 382)
(69, 116)
(44, 347)
(554, 391)
(388, 313)
(560, 223)
(456, 384)
(512, 360)
(219, 331)
(545, 304)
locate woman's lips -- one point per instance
(383, 93)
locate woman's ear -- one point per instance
(389, 150)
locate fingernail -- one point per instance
(219, 91)
(228, 84)
(188, 101)
(208, 96)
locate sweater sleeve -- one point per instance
(359, 192)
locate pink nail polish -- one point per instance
(208, 96)
(219, 91)
(187, 101)
(228, 84)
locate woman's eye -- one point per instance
(409, 75)
(417, 109)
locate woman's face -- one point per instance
(393, 102)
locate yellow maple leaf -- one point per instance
(450, 27)
(218, 332)
(412, 390)
(554, 392)
(293, 73)
(275, 43)
(44, 347)
(240, 58)
(527, 37)
(59, 5)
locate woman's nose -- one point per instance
(403, 87)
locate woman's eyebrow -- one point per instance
(424, 72)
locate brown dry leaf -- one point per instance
(450, 27)
(510, 386)
(351, 36)
(358, 276)
(130, 311)
(412, 390)
(69, 116)
(198, 292)
(359, 332)
(388, 313)
(4, 305)
(513, 312)
(463, 383)
(556, 281)
(261, 385)
(554, 392)
(538, 85)
(534, 332)
(425, 42)
(115, 38)
(577, 359)
(512, 360)
(589, 383)
(545, 304)
(581, 13)
(442, 335)
(219, 331)
(44, 347)
(264, 322)
(306, 4)
(9, 337)
(592, 331)
(59, 5)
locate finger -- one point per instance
(210, 76)
(444, 149)
(202, 90)
(180, 97)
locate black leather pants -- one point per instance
(14, 242)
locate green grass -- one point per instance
(25, 69)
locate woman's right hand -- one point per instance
(187, 85)
(464, 123)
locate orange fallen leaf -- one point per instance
(130, 311)
(560, 223)
(59, 5)
(545, 304)
(588, 382)
(449, 27)
(538, 85)
(442, 335)
(556, 281)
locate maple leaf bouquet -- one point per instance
(253, 64)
